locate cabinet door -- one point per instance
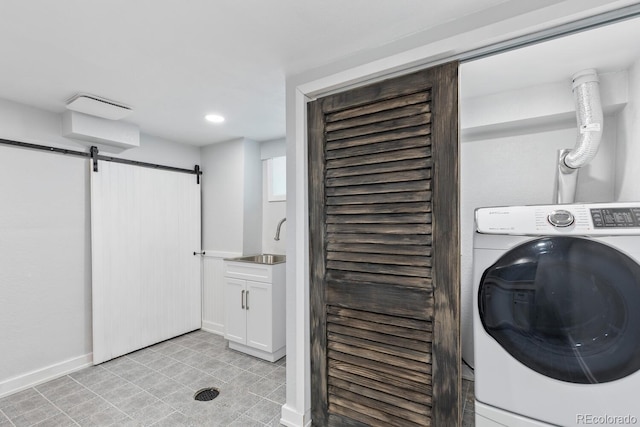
(259, 318)
(235, 323)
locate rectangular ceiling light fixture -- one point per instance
(99, 107)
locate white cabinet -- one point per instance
(255, 308)
(235, 322)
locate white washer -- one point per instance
(557, 315)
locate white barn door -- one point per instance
(145, 228)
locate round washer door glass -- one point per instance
(566, 307)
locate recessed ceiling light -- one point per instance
(214, 118)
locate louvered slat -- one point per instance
(414, 98)
(389, 239)
(334, 276)
(380, 208)
(411, 367)
(383, 269)
(397, 330)
(378, 117)
(375, 128)
(376, 346)
(423, 131)
(367, 415)
(392, 166)
(379, 249)
(377, 158)
(370, 389)
(381, 147)
(388, 364)
(382, 411)
(379, 178)
(379, 366)
(381, 319)
(373, 393)
(417, 391)
(398, 187)
(416, 261)
(367, 199)
(403, 229)
(410, 390)
(417, 218)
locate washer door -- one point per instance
(566, 307)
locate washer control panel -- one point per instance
(574, 219)
(615, 217)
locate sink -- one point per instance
(261, 259)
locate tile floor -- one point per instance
(155, 387)
(467, 404)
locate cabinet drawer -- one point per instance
(248, 271)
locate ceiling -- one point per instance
(608, 48)
(174, 61)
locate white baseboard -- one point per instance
(214, 328)
(293, 418)
(33, 378)
(268, 356)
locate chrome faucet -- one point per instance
(278, 229)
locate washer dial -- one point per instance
(561, 218)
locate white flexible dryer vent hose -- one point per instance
(586, 91)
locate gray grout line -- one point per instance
(124, 379)
(195, 367)
(56, 406)
(164, 418)
(158, 372)
(7, 417)
(100, 396)
(245, 368)
(265, 398)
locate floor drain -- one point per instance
(206, 394)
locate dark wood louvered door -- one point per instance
(384, 253)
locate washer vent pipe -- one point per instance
(586, 92)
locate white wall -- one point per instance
(252, 233)
(272, 212)
(23, 123)
(45, 264)
(222, 189)
(27, 124)
(627, 179)
(161, 151)
(232, 197)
